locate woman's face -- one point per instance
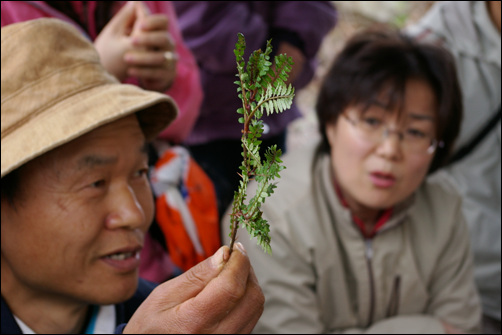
(377, 173)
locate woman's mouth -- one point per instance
(382, 180)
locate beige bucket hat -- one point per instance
(54, 90)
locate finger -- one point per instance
(155, 22)
(141, 13)
(150, 63)
(146, 58)
(158, 40)
(249, 308)
(141, 10)
(193, 281)
(124, 18)
(221, 294)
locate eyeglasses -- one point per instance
(375, 129)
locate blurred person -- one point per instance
(139, 42)
(470, 30)
(361, 241)
(210, 29)
(76, 202)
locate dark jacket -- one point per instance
(124, 310)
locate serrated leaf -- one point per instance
(262, 89)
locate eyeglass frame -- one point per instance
(387, 132)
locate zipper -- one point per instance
(369, 258)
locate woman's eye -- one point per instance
(372, 122)
(415, 133)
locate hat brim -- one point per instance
(81, 113)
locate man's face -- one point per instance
(77, 224)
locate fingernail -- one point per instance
(217, 260)
(241, 248)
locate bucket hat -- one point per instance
(54, 89)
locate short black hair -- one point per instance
(374, 60)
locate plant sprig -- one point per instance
(262, 88)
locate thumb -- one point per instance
(193, 281)
(124, 19)
(141, 9)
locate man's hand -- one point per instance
(219, 295)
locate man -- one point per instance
(76, 202)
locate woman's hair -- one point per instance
(373, 61)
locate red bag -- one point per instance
(186, 208)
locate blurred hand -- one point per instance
(449, 329)
(297, 56)
(114, 40)
(219, 295)
(152, 58)
(134, 44)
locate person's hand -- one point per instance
(137, 44)
(297, 56)
(152, 58)
(219, 295)
(114, 40)
(449, 329)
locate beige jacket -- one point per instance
(324, 277)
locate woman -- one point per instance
(360, 240)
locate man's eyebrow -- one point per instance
(94, 160)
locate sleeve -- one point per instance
(19, 11)
(304, 24)
(454, 297)
(210, 30)
(299, 17)
(210, 26)
(186, 89)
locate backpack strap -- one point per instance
(468, 147)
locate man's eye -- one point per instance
(98, 183)
(142, 172)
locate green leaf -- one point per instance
(262, 89)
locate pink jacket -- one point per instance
(186, 89)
